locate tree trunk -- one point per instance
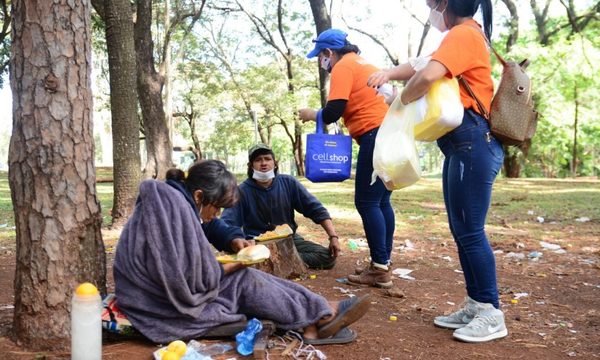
(51, 168)
(149, 85)
(575, 125)
(512, 24)
(512, 164)
(298, 153)
(322, 22)
(541, 20)
(123, 106)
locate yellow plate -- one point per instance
(227, 259)
(280, 232)
(266, 237)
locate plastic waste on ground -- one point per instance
(246, 338)
(86, 323)
(395, 158)
(439, 111)
(403, 273)
(197, 351)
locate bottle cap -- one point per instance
(86, 289)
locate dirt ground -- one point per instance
(551, 303)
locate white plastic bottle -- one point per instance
(86, 323)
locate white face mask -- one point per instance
(326, 64)
(436, 19)
(263, 176)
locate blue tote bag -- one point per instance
(328, 157)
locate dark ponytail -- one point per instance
(468, 8)
(175, 175)
(348, 48)
(218, 185)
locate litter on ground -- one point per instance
(403, 273)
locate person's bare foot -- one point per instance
(310, 332)
(334, 310)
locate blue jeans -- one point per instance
(373, 203)
(473, 159)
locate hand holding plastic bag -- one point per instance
(395, 158)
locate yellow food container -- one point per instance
(440, 110)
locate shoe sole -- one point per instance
(469, 339)
(355, 312)
(445, 325)
(385, 285)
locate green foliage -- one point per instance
(565, 82)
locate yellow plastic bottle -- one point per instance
(86, 323)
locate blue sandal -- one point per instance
(349, 311)
(343, 336)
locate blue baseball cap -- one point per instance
(329, 39)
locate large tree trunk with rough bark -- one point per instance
(150, 84)
(117, 16)
(51, 174)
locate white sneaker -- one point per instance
(460, 318)
(487, 325)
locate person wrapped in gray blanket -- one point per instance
(170, 285)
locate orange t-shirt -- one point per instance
(365, 110)
(464, 52)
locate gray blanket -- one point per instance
(170, 285)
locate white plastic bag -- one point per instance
(395, 158)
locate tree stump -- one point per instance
(284, 261)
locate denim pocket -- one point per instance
(494, 146)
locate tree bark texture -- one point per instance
(150, 84)
(51, 168)
(123, 107)
(512, 24)
(322, 22)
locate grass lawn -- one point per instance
(516, 204)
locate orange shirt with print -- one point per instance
(365, 110)
(464, 52)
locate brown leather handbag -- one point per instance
(512, 117)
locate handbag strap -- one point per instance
(319, 122)
(466, 85)
(482, 108)
(321, 125)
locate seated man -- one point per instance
(170, 286)
(269, 199)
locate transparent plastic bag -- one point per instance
(439, 111)
(395, 158)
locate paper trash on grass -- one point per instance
(403, 273)
(582, 219)
(553, 247)
(359, 242)
(520, 295)
(540, 219)
(345, 291)
(408, 245)
(549, 246)
(514, 255)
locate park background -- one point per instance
(234, 72)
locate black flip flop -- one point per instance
(349, 311)
(344, 336)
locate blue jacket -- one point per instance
(218, 233)
(261, 209)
